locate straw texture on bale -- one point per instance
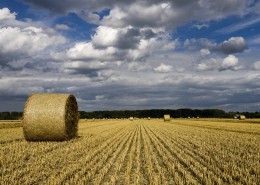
(50, 117)
(167, 117)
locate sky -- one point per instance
(125, 55)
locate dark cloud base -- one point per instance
(120, 97)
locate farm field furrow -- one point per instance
(158, 162)
(197, 160)
(37, 155)
(136, 152)
(221, 151)
(191, 162)
(179, 168)
(86, 161)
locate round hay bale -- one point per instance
(50, 117)
(242, 117)
(167, 117)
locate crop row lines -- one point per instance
(226, 171)
(32, 152)
(183, 153)
(122, 147)
(178, 169)
(201, 160)
(45, 161)
(91, 158)
(159, 167)
(232, 166)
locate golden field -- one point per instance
(181, 151)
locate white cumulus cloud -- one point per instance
(26, 40)
(86, 51)
(163, 68)
(6, 15)
(105, 36)
(228, 63)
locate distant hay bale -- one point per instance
(131, 118)
(148, 118)
(167, 117)
(50, 117)
(241, 117)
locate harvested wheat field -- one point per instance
(137, 152)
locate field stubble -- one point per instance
(137, 152)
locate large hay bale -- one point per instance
(131, 118)
(50, 117)
(167, 117)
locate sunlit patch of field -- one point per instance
(181, 151)
(10, 123)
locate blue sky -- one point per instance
(132, 55)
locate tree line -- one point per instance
(11, 115)
(153, 113)
(158, 113)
